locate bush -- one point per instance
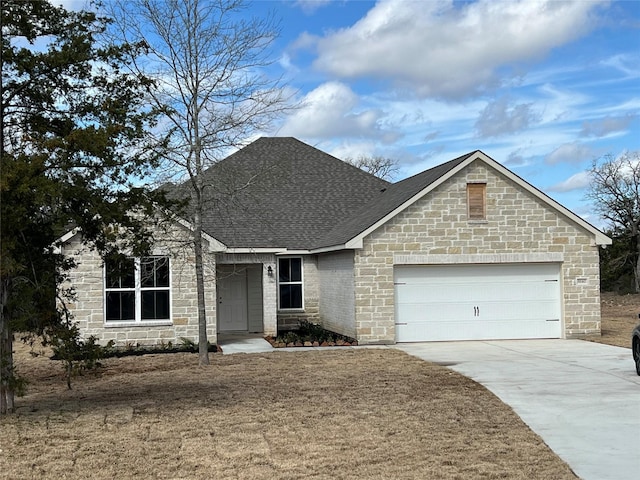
(310, 332)
(76, 353)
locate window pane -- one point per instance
(296, 269)
(162, 272)
(154, 272)
(120, 306)
(284, 275)
(147, 272)
(120, 274)
(162, 305)
(285, 296)
(290, 296)
(155, 305)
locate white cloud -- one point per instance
(447, 49)
(310, 6)
(353, 150)
(578, 181)
(607, 125)
(331, 111)
(500, 117)
(574, 152)
(627, 64)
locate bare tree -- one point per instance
(208, 58)
(382, 167)
(615, 193)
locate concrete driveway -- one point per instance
(582, 398)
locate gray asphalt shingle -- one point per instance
(279, 192)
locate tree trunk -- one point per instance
(6, 355)
(203, 344)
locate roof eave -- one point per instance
(331, 248)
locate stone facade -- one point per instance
(351, 291)
(435, 230)
(88, 306)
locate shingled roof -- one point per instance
(389, 199)
(279, 192)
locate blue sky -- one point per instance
(543, 87)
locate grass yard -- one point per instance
(351, 414)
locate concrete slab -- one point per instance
(582, 398)
(243, 343)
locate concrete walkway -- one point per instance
(243, 343)
(582, 398)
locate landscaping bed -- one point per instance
(310, 335)
(136, 350)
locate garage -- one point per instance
(477, 302)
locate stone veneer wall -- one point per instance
(88, 308)
(435, 230)
(288, 320)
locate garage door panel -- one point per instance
(437, 310)
(477, 302)
(434, 293)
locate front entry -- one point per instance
(232, 302)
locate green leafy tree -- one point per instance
(75, 146)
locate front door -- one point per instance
(232, 302)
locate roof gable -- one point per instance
(350, 233)
(600, 238)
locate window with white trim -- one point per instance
(290, 284)
(138, 290)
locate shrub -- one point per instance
(76, 353)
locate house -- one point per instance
(465, 250)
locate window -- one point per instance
(290, 283)
(137, 290)
(476, 201)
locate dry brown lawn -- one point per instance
(322, 414)
(619, 318)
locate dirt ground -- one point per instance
(619, 317)
(356, 414)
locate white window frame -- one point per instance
(138, 290)
(300, 282)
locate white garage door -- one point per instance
(477, 302)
